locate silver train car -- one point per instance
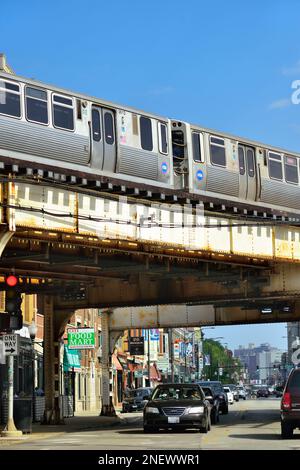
(42, 126)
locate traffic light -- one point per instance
(257, 367)
(13, 302)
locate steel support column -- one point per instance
(52, 414)
(108, 342)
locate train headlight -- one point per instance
(199, 175)
(164, 168)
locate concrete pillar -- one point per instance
(52, 414)
(107, 377)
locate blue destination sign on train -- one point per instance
(81, 338)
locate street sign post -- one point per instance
(11, 344)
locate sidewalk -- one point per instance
(82, 421)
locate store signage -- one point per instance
(136, 345)
(81, 338)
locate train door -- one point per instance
(109, 141)
(103, 139)
(97, 138)
(247, 170)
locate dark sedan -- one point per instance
(215, 404)
(136, 399)
(217, 388)
(173, 406)
(262, 393)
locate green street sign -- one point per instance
(81, 338)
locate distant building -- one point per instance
(260, 362)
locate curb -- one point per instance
(66, 429)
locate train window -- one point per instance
(241, 160)
(10, 102)
(109, 128)
(146, 133)
(250, 162)
(291, 169)
(63, 113)
(63, 100)
(163, 139)
(275, 166)
(96, 125)
(36, 105)
(178, 147)
(196, 147)
(217, 151)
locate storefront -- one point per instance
(71, 366)
(118, 380)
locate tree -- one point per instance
(220, 361)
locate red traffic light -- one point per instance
(11, 280)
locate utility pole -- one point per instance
(149, 363)
(171, 353)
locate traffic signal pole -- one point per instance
(10, 429)
(13, 302)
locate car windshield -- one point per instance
(226, 389)
(177, 393)
(138, 393)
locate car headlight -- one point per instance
(151, 409)
(196, 409)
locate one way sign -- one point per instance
(11, 344)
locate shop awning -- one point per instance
(71, 360)
(116, 363)
(123, 362)
(154, 373)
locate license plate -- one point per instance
(173, 419)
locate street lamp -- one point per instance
(32, 329)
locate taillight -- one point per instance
(286, 402)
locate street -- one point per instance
(250, 424)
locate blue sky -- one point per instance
(225, 65)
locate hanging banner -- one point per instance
(154, 334)
(136, 345)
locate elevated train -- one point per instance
(42, 126)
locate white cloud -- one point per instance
(279, 104)
(293, 70)
(163, 90)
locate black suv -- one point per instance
(214, 400)
(290, 405)
(136, 399)
(217, 388)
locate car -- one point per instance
(242, 392)
(229, 394)
(263, 392)
(214, 400)
(218, 390)
(278, 391)
(136, 399)
(290, 405)
(177, 406)
(234, 390)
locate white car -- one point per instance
(242, 392)
(229, 395)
